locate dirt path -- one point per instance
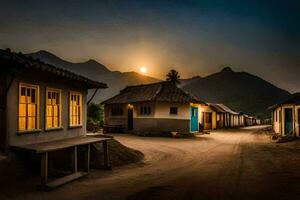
(229, 164)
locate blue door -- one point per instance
(194, 119)
(288, 119)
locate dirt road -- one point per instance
(229, 164)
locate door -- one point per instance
(288, 119)
(207, 120)
(130, 119)
(194, 119)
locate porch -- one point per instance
(44, 149)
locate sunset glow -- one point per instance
(143, 70)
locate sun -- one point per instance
(143, 70)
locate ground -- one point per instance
(227, 164)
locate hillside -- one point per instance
(92, 69)
(239, 90)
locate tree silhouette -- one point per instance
(173, 76)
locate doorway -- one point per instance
(194, 119)
(288, 120)
(130, 119)
(207, 120)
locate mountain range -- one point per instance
(241, 91)
(115, 80)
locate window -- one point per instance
(145, 110)
(276, 115)
(28, 118)
(117, 110)
(75, 109)
(53, 108)
(173, 110)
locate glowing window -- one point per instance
(28, 117)
(53, 108)
(75, 118)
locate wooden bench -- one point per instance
(113, 128)
(45, 148)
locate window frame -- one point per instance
(37, 98)
(145, 110)
(81, 114)
(49, 89)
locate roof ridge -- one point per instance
(140, 85)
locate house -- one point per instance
(241, 120)
(43, 108)
(154, 109)
(219, 113)
(286, 115)
(251, 121)
(231, 118)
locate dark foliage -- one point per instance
(173, 76)
(95, 117)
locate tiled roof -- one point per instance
(216, 108)
(17, 61)
(294, 100)
(227, 109)
(161, 91)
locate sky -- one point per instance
(193, 37)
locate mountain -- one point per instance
(239, 90)
(92, 69)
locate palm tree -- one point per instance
(173, 76)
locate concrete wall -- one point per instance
(277, 120)
(16, 138)
(157, 126)
(162, 111)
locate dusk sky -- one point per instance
(194, 37)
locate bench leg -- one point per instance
(44, 168)
(106, 156)
(75, 159)
(88, 158)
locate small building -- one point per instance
(154, 109)
(219, 116)
(251, 121)
(231, 118)
(241, 120)
(286, 116)
(207, 117)
(43, 108)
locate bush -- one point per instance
(95, 117)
